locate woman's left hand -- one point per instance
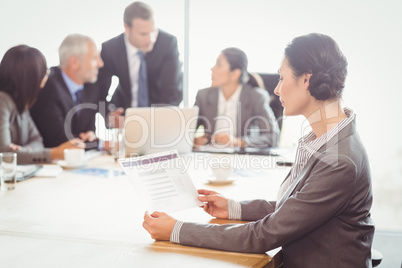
(159, 225)
(226, 139)
(221, 138)
(14, 147)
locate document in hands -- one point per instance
(160, 181)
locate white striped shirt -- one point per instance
(226, 121)
(234, 211)
(308, 145)
(174, 236)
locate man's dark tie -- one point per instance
(143, 98)
(78, 97)
(78, 100)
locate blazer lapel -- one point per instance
(67, 98)
(244, 111)
(293, 185)
(212, 106)
(347, 131)
(123, 73)
(121, 58)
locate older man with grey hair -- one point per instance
(66, 106)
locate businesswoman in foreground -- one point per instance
(321, 217)
(23, 73)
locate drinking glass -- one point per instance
(118, 143)
(8, 171)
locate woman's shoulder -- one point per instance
(6, 101)
(206, 91)
(4, 95)
(346, 147)
(255, 91)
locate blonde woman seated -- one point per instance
(235, 111)
(23, 73)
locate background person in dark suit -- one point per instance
(321, 217)
(121, 59)
(67, 105)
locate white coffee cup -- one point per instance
(222, 171)
(74, 157)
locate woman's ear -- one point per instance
(307, 78)
(235, 75)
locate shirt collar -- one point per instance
(72, 86)
(312, 145)
(234, 98)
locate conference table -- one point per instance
(92, 217)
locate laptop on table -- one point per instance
(156, 129)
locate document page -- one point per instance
(160, 182)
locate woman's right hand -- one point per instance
(214, 204)
(14, 147)
(58, 152)
(199, 141)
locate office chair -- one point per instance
(270, 81)
(376, 257)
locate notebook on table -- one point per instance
(46, 171)
(26, 171)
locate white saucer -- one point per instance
(221, 182)
(64, 164)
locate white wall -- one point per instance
(368, 32)
(44, 23)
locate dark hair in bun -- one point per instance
(319, 55)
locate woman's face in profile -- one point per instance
(293, 91)
(221, 74)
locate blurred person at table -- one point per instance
(23, 72)
(67, 105)
(321, 217)
(146, 61)
(235, 111)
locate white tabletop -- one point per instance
(79, 220)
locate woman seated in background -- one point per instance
(23, 72)
(321, 216)
(234, 111)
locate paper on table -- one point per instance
(26, 171)
(159, 180)
(273, 252)
(49, 171)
